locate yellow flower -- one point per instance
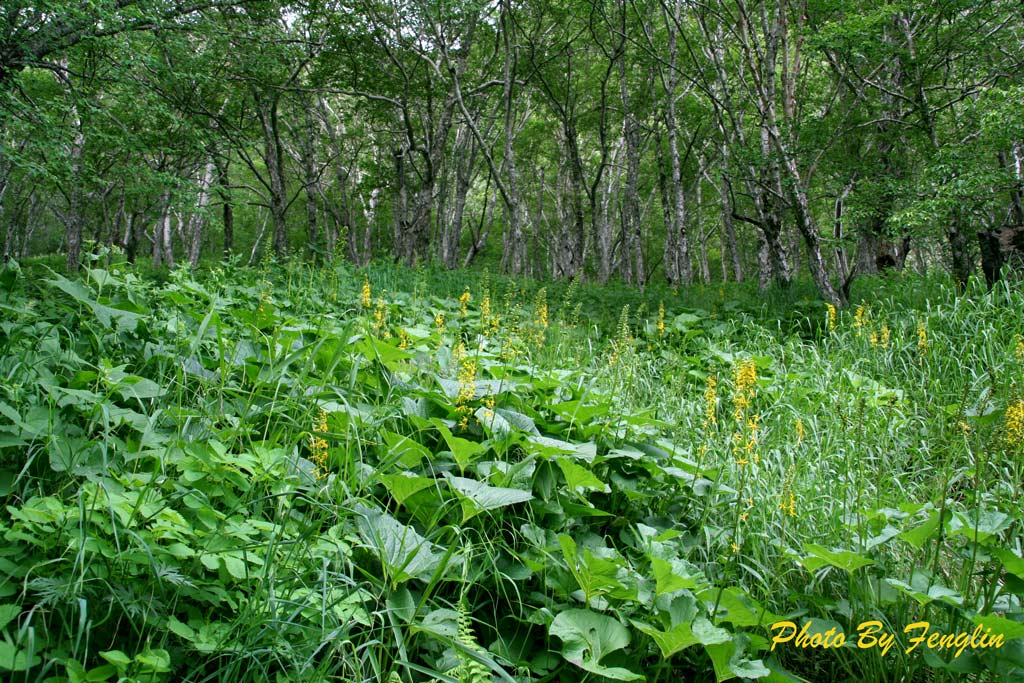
(439, 322)
(485, 312)
(464, 301)
(661, 319)
(792, 505)
(885, 336)
(404, 340)
(366, 299)
(859, 318)
(710, 401)
(831, 316)
(380, 325)
(744, 378)
(873, 338)
(1014, 423)
(318, 445)
(467, 387)
(735, 548)
(922, 338)
(1018, 350)
(799, 430)
(743, 516)
(541, 303)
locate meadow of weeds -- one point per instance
(297, 474)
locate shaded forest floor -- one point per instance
(295, 474)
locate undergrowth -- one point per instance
(299, 474)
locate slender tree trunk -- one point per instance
(198, 220)
(273, 157)
(515, 246)
(631, 225)
(74, 221)
(227, 204)
(451, 233)
(729, 229)
(680, 242)
(5, 174)
(669, 261)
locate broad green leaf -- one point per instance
(579, 478)
(731, 661)
(578, 412)
(982, 525)
(919, 535)
(117, 658)
(409, 453)
(1012, 563)
(14, 659)
(476, 496)
(8, 613)
(935, 592)
(464, 450)
(844, 559)
(669, 642)
(400, 548)
(670, 576)
(1007, 628)
(404, 485)
(587, 637)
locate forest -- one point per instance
(465, 341)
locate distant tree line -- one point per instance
(632, 139)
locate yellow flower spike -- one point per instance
(661, 319)
(885, 336)
(831, 316)
(366, 300)
(799, 430)
(464, 301)
(439, 322)
(859, 318)
(922, 339)
(485, 310)
(1013, 423)
(380, 325)
(404, 340)
(711, 400)
(792, 505)
(541, 304)
(1018, 349)
(873, 338)
(735, 548)
(467, 387)
(318, 445)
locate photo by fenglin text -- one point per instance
(873, 634)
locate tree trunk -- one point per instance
(227, 205)
(273, 157)
(73, 219)
(197, 222)
(631, 227)
(729, 229)
(311, 181)
(514, 247)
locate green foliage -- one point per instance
(248, 475)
